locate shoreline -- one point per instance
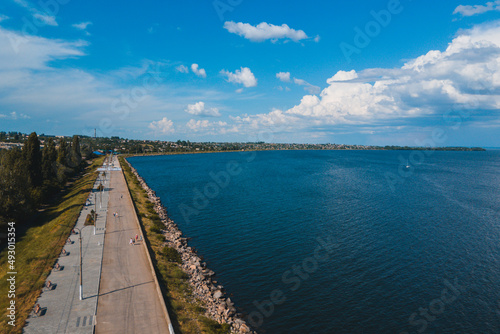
(219, 307)
(433, 149)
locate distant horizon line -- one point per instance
(242, 142)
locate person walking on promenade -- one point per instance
(131, 242)
(136, 237)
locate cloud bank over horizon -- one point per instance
(466, 76)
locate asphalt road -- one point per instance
(128, 299)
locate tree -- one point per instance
(62, 152)
(76, 145)
(86, 151)
(33, 158)
(16, 199)
(49, 159)
(75, 156)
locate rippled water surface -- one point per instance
(344, 241)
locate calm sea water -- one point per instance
(344, 241)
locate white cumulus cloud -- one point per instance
(195, 125)
(211, 128)
(198, 71)
(265, 31)
(242, 76)
(283, 76)
(343, 76)
(465, 77)
(468, 10)
(199, 109)
(164, 126)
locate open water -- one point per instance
(344, 241)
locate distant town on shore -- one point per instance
(8, 140)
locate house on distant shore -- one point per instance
(9, 146)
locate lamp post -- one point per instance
(81, 271)
(95, 210)
(81, 260)
(102, 187)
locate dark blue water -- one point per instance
(344, 241)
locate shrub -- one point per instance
(158, 224)
(171, 254)
(155, 229)
(89, 220)
(213, 327)
(179, 275)
(161, 237)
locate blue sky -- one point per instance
(357, 72)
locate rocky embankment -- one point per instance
(219, 307)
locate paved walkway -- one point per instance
(128, 300)
(63, 311)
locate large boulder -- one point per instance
(217, 294)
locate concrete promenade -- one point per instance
(129, 301)
(120, 291)
(62, 309)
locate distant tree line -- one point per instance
(31, 175)
(14, 135)
(407, 148)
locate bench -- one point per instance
(58, 267)
(69, 242)
(38, 311)
(64, 252)
(50, 286)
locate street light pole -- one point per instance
(95, 210)
(81, 265)
(102, 191)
